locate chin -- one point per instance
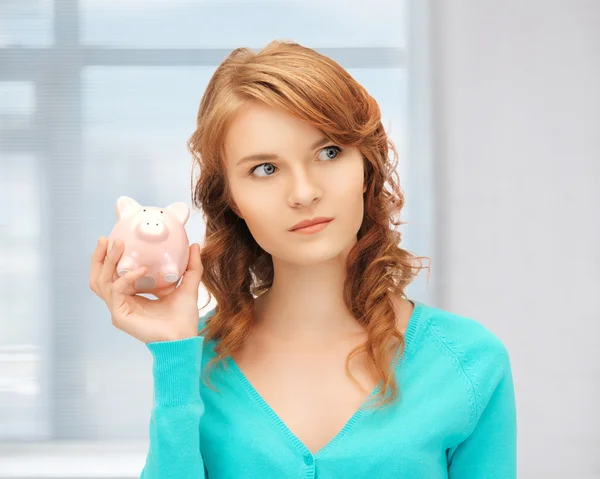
(311, 254)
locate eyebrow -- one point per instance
(273, 156)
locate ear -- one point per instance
(365, 188)
(236, 211)
(180, 210)
(126, 206)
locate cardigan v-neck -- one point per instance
(355, 418)
(455, 415)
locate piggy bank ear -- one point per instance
(180, 210)
(126, 206)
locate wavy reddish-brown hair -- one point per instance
(316, 90)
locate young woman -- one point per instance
(314, 363)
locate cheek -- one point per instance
(350, 197)
(260, 215)
(356, 209)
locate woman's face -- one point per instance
(303, 178)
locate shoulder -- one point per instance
(204, 317)
(465, 336)
(208, 350)
(478, 353)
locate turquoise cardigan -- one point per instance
(456, 417)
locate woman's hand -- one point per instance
(170, 317)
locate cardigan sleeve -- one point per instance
(174, 450)
(490, 450)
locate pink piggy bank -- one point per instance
(152, 237)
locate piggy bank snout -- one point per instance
(151, 229)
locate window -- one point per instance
(100, 107)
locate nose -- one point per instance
(151, 229)
(303, 190)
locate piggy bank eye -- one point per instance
(161, 211)
(144, 210)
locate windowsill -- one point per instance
(73, 459)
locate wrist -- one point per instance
(181, 335)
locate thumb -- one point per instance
(192, 275)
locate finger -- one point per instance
(193, 273)
(129, 289)
(97, 262)
(118, 289)
(109, 267)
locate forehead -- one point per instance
(259, 128)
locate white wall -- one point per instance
(517, 127)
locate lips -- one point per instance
(314, 221)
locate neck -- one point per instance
(305, 304)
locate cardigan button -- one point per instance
(308, 459)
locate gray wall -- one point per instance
(517, 122)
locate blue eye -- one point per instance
(258, 166)
(337, 149)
